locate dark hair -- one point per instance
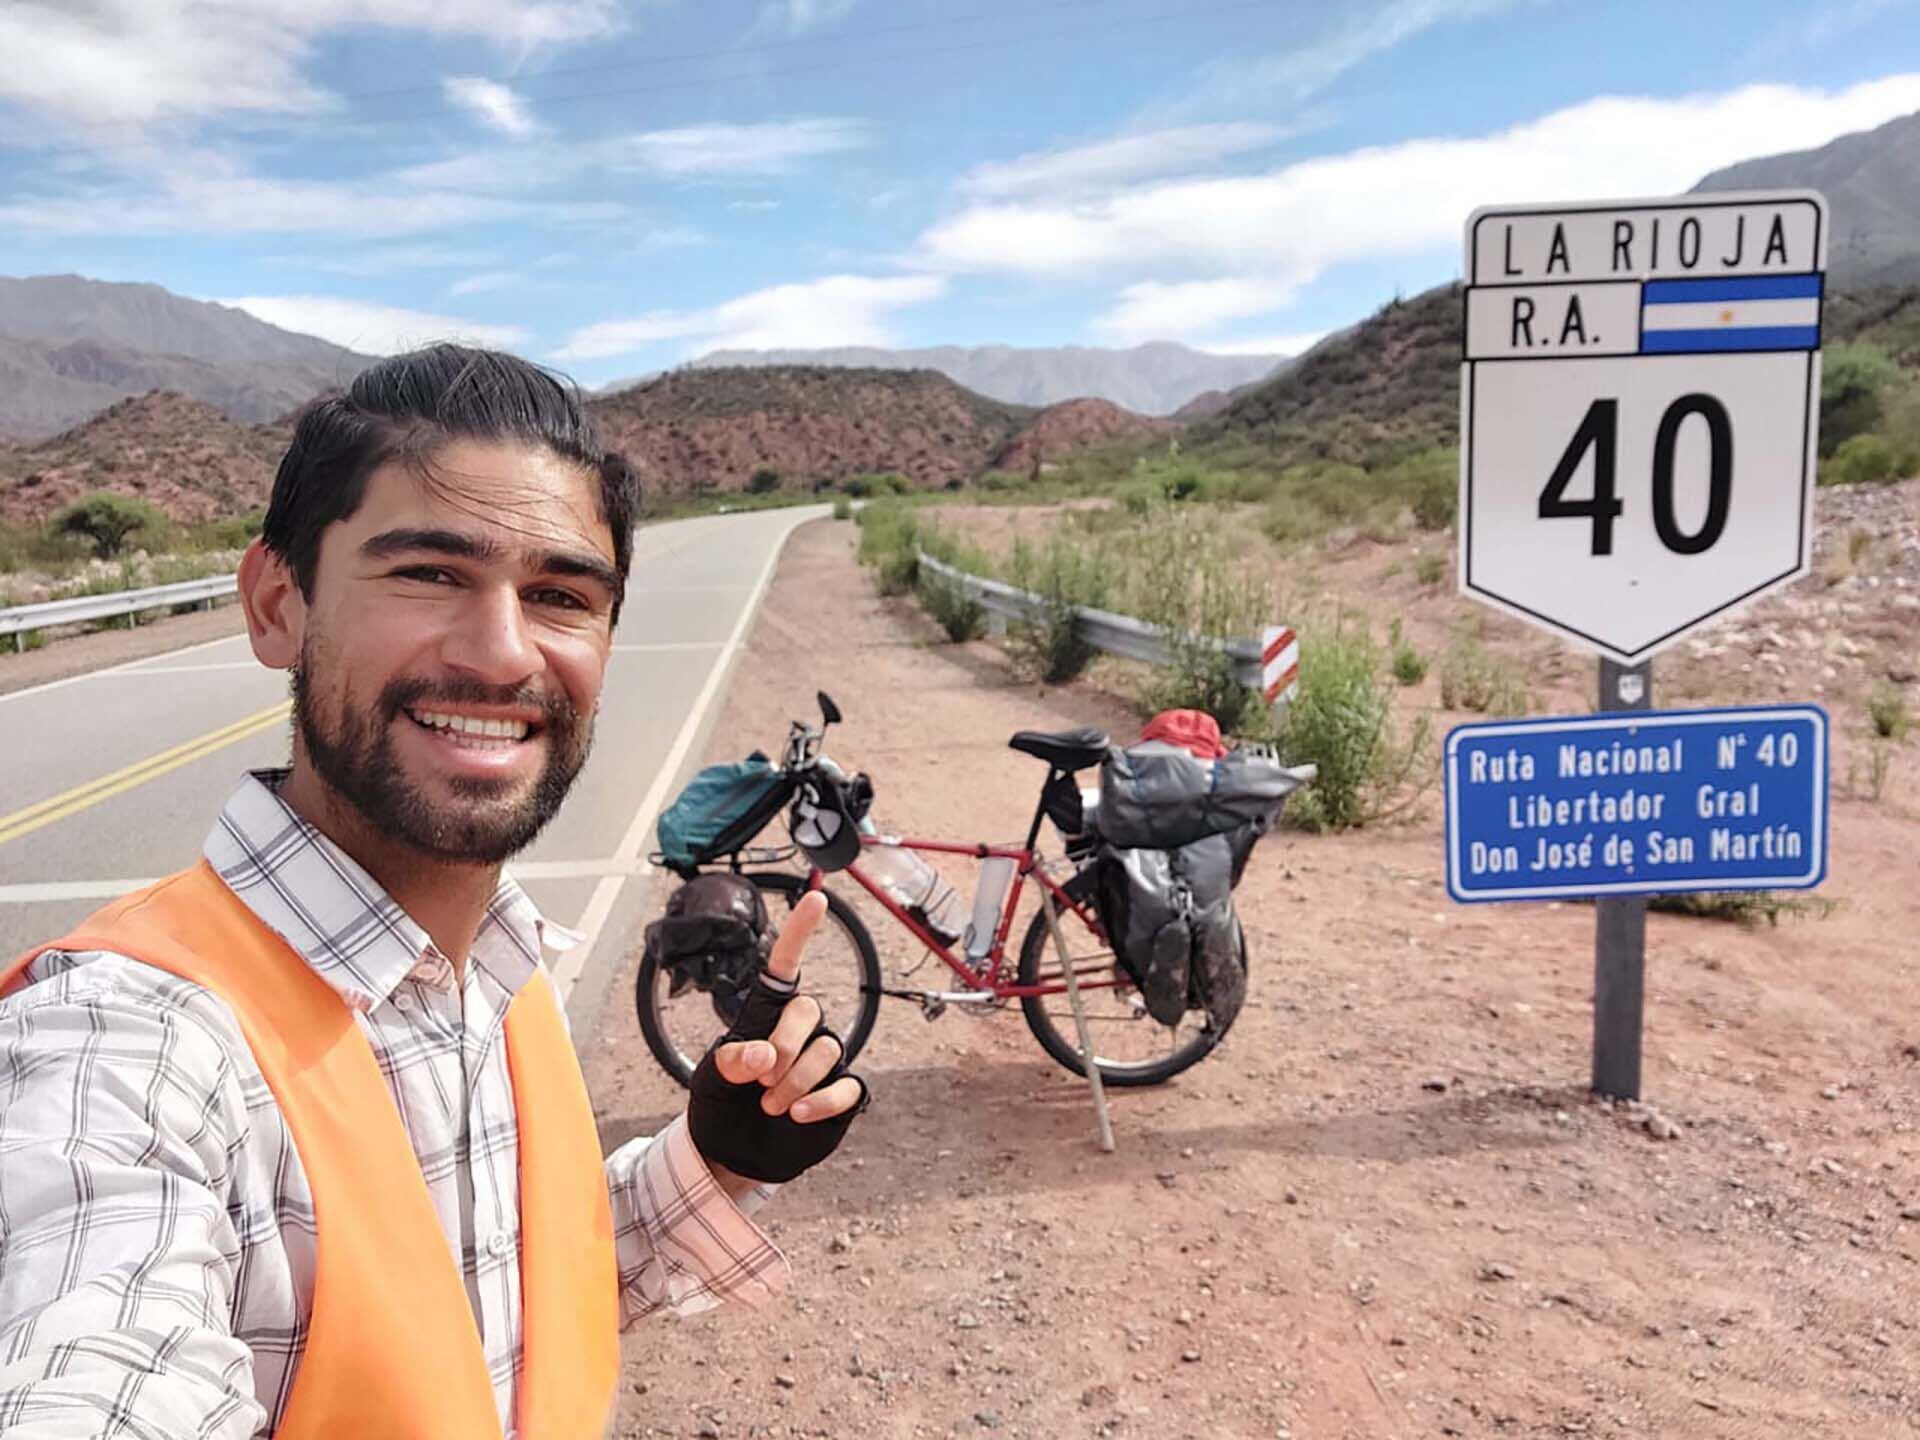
(407, 408)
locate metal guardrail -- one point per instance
(1120, 635)
(21, 619)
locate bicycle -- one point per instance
(681, 1017)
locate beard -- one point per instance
(486, 821)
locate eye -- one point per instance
(429, 574)
(563, 599)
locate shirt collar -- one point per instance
(336, 916)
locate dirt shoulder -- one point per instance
(1387, 1207)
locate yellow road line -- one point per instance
(70, 802)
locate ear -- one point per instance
(276, 610)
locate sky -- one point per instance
(613, 187)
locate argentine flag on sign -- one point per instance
(1748, 312)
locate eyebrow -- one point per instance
(578, 563)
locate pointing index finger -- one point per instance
(784, 962)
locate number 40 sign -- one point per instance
(1639, 398)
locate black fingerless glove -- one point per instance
(726, 1122)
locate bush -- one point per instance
(109, 521)
(1064, 575)
(232, 533)
(1340, 719)
(1868, 460)
(764, 481)
(1887, 709)
(842, 508)
(948, 602)
(1741, 907)
(858, 486)
(1430, 569)
(1471, 678)
(1409, 665)
(890, 542)
(1853, 379)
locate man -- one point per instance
(294, 1143)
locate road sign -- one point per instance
(1637, 804)
(1639, 400)
(1279, 663)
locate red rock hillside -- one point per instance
(1060, 430)
(183, 455)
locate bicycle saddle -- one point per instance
(1068, 750)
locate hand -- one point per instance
(772, 1098)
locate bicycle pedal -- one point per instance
(932, 1007)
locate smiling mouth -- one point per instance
(474, 731)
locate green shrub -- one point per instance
(1472, 678)
(1887, 709)
(1868, 460)
(1341, 719)
(765, 480)
(858, 486)
(1430, 569)
(842, 508)
(1409, 665)
(958, 612)
(1741, 907)
(890, 542)
(995, 481)
(232, 533)
(109, 522)
(1853, 382)
(1063, 575)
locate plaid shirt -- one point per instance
(156, 1226)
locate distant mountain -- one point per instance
(181, 454)
(714, 428)
(1153, 379)
(70, 346)
(1872, 184)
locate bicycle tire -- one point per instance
(1065, 1047)
(790, 888)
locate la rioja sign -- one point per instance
(1639, 398)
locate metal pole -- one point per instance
(1079, 1021)
(1620, 933)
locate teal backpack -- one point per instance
(720, 811)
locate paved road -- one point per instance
(111, 778)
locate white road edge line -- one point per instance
(567, 969)
(123, 666)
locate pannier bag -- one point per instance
(720, 811)
(1175, 832)
(714, 935)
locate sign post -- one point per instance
(1639, 403)
(1620, 933)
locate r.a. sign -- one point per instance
(1639, 398)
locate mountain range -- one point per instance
(70, 347)
(1871, 181)
(1153, 379)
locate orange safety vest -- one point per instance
(392, 1348)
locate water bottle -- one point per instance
(915, 886)
(996, 871)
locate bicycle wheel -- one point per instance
(1129, 1045)
(841, 971)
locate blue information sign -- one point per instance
(1638, 803)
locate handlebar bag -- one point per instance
(721, 810)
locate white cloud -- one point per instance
(753, 205)
(797, 17)
(1293, 343)
(1190, 309)
(484, 281)
(371, 329)
(493, 104)
(1301, 72)
(1405, 199)
(673, 237)
(385, 259)
(695, 151)
(833, 310)
(133, 62)
(1128, 157)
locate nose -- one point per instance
(491, 639)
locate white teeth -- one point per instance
(473, 725)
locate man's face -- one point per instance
(454, 648)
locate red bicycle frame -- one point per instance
(1091, 975)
